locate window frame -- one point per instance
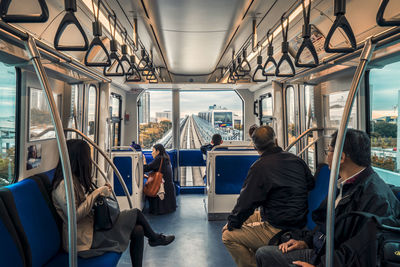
(86, 111)
(116, 120)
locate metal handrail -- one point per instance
(301, 136)
(104, 176)
(62, 148)
(230, 146)
(330, 212)
(308, 146)
(121, 180)
(123, 147)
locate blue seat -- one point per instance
(319, 192)
(191, 157)
(11, 252)
(36, 223)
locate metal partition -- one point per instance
(121, 180)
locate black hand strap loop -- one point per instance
(24, 18)
(307, 43)
(270, 58)
(70, 19)
(143, 61)
(341, 22)
(245, 67)
(379, 16)
(97, 32)
(285, 49)
(114, 61)
(113, 25)
(133, 74)
(257, 74)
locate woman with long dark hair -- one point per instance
(168, 204)
(131, 225)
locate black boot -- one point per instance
(163, 240)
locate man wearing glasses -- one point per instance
(359, 189)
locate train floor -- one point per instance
(197, 240)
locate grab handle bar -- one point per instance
(341, 22)
(259, 69)
(270, 58)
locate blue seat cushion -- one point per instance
(319, 192)
(11, 252)
(107, 260)
(33, 220)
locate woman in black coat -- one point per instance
(168, 204)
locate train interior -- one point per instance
(176, 72)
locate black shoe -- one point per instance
(163, 240)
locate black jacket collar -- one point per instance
(275, 149)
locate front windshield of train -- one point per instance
(223, 119)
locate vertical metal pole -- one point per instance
(62, 148)
(176, 128)
(330, 213)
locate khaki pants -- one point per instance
(242, 243)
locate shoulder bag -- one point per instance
(106, 212)
(153, 182)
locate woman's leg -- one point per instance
(148, 231)
(136, 247)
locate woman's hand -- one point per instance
(303, 264)
(104, 190)
(144, 160)
(292, 245)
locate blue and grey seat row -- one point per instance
(31, 229)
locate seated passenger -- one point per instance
(216, 140)
(131, 225)
(160, 206)
(279, 183)
(252, 129)
(359, 189)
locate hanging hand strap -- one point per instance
(70, 19)
(307, 43)
(285, 49)
(341, 22)
(24, 18)
(97, 32)
(379, 16)
(115, 60)
(270, 58)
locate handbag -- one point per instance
(153, 182)
(106, 212)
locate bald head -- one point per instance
(263, 138)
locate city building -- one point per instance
(166, 115)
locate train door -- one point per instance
(116, 119)
(307, 119)
(91, 110)
(292, 116)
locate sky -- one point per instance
(195, 101)
(385, 86)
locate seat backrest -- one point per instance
(231, 171)
(319, 192)
(29, 206)
(191, 157)
(11, 252)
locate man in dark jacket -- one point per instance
(359, 189)
(279, 183)
(216, 140)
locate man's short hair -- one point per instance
(357, 146)
(216, 139)
(252, 129)
(263, 138)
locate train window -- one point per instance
(75, 119)
(91, 112)
(40, 124)
(155, 118)
(309, 112)
(202, 115)
(291, 117)
(8, 102)
(116, 118)
(384, 108)
(334, 106)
